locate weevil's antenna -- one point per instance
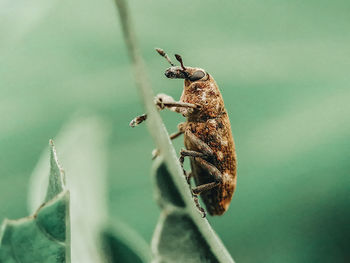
(179, 58)
(164, 55)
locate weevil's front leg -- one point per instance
(165, 101)
(137, 120)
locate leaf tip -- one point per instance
(54, 158)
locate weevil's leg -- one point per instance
(188, 178)
(204, 187)
(165, 101)
(181, 129)
(175, 135)
(172, 136)
(155, 153)
(201, 209)
(204, 152)
(190, 153)
(198, 157)
(183, 154)
(199, 144)
(137, 120)
(217, 176)
(194, 154)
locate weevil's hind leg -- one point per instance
(188, 178)
(213, 171)
(201, 156)
(205, 187)
(194, 191)
(183, 154)
(201, 209)
(204, 151)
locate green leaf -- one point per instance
(94, 239)
(121, 244)
(45, 235)
(57, 178)
(82, 142)
(181, 234)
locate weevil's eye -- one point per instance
(197, 75)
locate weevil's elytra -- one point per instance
(207, 135)
(211, 125)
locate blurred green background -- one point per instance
(283, 69)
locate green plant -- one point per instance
(60, 231)
(74, 212)
(181, 234)
(45, 235)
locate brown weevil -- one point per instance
(207, 135)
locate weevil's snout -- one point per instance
(175, 73)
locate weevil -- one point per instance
(207, 135)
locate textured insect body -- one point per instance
(211, 125)
(207, 135)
